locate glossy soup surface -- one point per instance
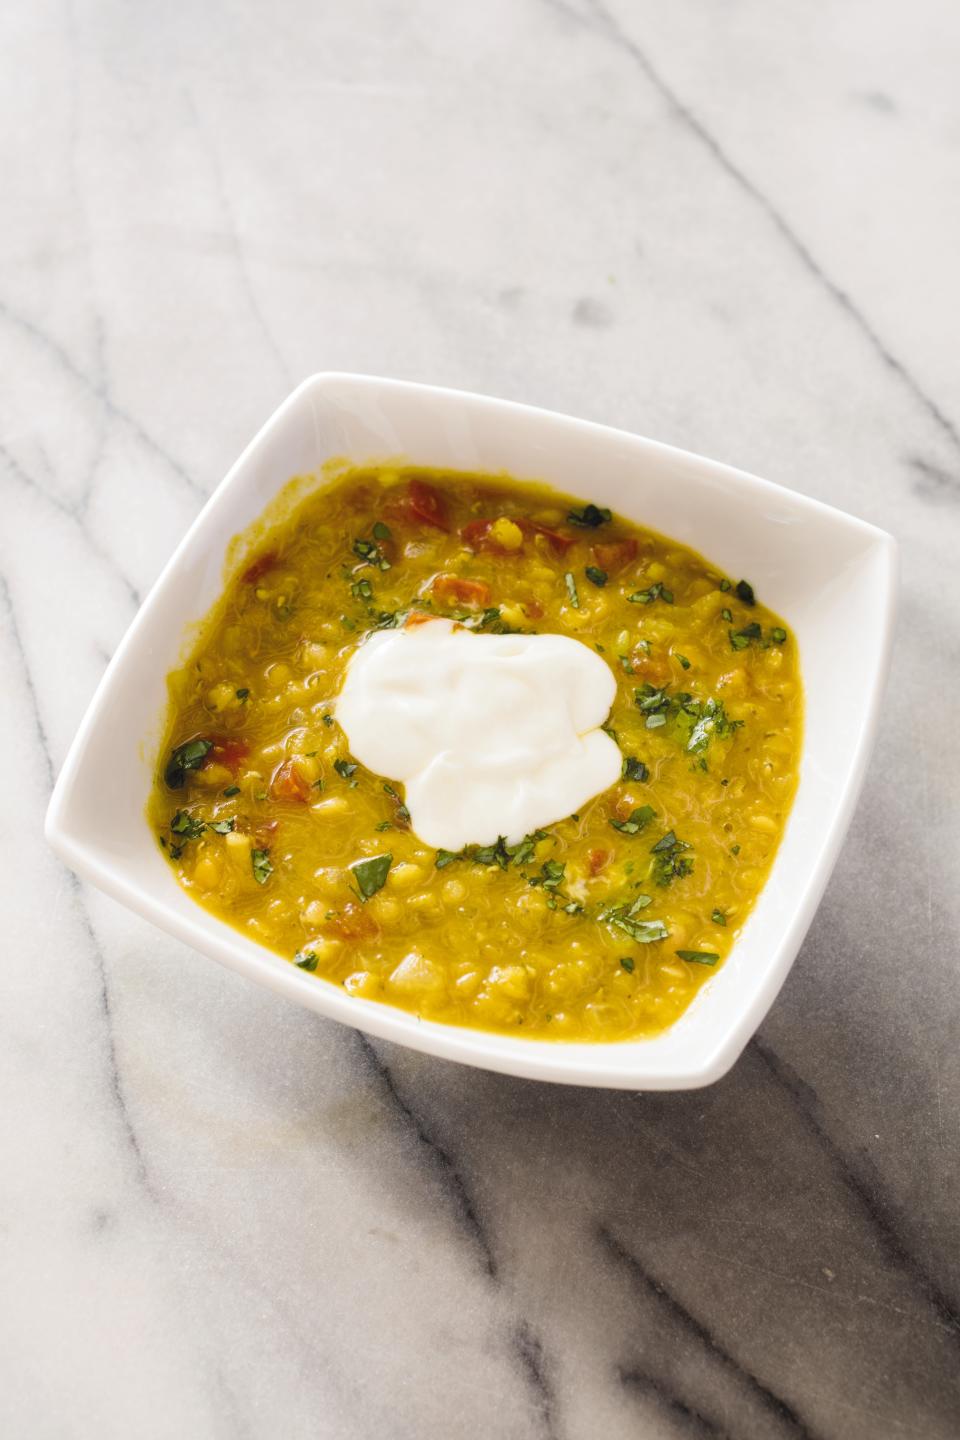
(600, 927)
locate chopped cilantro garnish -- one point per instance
(305, 960)
(657, 591)
(699, 957)
(740, 639)
(371, 875)
(669, 861)
(637, 821)
(627, 962)
(243, 693)
(718, 917)
(381, 531)
(727, 615)
(744, 592)
(724, 585)
(262, 868)
(187, 825)
(189, 756)
(589, 517)
(778, 635)
(346, 768)
(571, 585)
(634, 769)
(384, 825)
(327, 718)
(402, 812)
(596, 576)
(232, 790)
(362, 589)
(682, 658)
(445, 858)
(222, 827)
(623, 917)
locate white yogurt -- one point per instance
(490, 734)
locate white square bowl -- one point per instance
(833, 578)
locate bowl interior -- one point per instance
(828, 575)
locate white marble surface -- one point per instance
(732, 226)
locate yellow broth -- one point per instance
(602, 927)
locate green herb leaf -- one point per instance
(744, 592)
(669, 861)
(724, 585)
(381, 531)
(727, 615)
(187, 825)
(243, 693)
(718, 917)
(596, 576)
(623, 918)
(223, 827)
(571, 585)
(262, 868)
(634, 769)
(699, 957)
(589, 517)
(189, 756)
(640, 818)
(362, 590)
(232, 790)
(327, 718)
(740, 639)
(628, 963)
(371, 875)
(305, 960)
(445, 858)
(778, 635)
(345, 768)
(657, 591)
(682, 658)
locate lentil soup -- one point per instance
(600, 926)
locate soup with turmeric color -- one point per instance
(475, 749)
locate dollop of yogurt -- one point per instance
(490, 734)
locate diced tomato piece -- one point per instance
(655, 669)
(260, 566)
(451, 590)
(477, 534)
(532, 609)
(354, 923)
(612, 555)
(596, 860)
(558, 542)
(228, 750)
(426, 505)
(265, 832)
(289, 784)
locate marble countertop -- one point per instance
(733, 227)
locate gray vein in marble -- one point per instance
(82, 914)
(450, 1176)
(779, 1411)
(530, 1352)
(607, 24)
(97, 391)
(235, 242)
(76, 515)
(869, 1196)
(693, 1421)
